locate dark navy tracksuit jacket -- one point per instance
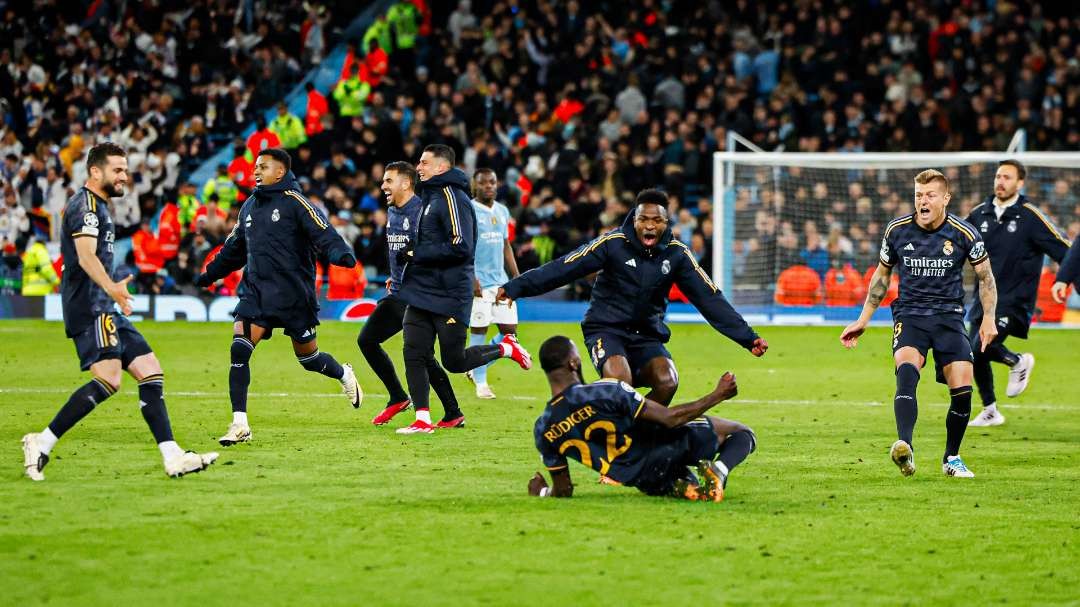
(276, 239)
(438, 276)
(1069, 272)
(1016, 243)
(630, 296)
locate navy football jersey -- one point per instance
(86, 215)
(400, 231)
(930, 264)
(591, 423)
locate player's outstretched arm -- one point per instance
(1069, 272)
(988, 297)
(322, 236)
(879, 287)
(673, 417)
(86, 248)
(560, 484)
(231, 257)
(585, 260)
(716, 309)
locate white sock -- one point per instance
(423, 415)
(239, 417)
(169, 449)
(991, 408)
(46, 440)
(506, 350)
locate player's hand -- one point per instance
(346, 260)
(759, 347)
(1060, 291)
(502, 297)
(119, 293)
(725, 388)
(536, 483)
(851, 334)
(987, 332)
(476, 290)
(388, 283)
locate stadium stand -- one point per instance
(576, 105)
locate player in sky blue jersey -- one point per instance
(493, 267)
(928, 248)
(105, 340)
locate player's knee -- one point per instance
(240, 351)
(112, 380)
(907, 373)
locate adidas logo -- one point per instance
(451, 321)
(632, 263)
(909, 247)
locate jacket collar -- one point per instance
(455, 177)
(288, 182)
(987, 207)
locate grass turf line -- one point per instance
(323, 507)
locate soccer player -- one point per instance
(276, 237)
(106, 342)
(631, 440)
(403, 217)
(624, 326)
(437, 285)
(495, 264)
(1069, 272)
(930, 246)
(1017, 237)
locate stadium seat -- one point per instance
(798, 286)
(844, 287)
(1046, 309)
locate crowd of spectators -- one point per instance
(576, 105)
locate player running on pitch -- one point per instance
(929, 247)
(624, 326)
(275, 239)
(106, 341)
(631, 440)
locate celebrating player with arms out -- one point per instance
(631, 440)
(275, 239)
(106, 342)
(930, 247)
(624, 325)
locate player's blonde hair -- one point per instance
(930, 175)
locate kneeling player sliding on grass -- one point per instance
(631, 440)
(930, 247)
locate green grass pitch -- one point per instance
(323, 508)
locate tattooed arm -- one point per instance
(988, 297)
(879, 287)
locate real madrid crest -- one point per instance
(947, 249)
(984, 227)
(665, 267)
(405, 224)
(1012, 226)
(275, 216)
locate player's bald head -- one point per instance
(557, 353)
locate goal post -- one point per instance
(773, 211)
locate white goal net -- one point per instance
(785, 222)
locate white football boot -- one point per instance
(903, 457)
(33, 459)
(954, 466)
(989, 416)
(1020, 375)
(189, 462)
(484, 391)
(237, 433)
(351, 387)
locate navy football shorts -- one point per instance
(670, 451)
(110, 336)
(301, 332)
(638, 350)
(944, 334)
